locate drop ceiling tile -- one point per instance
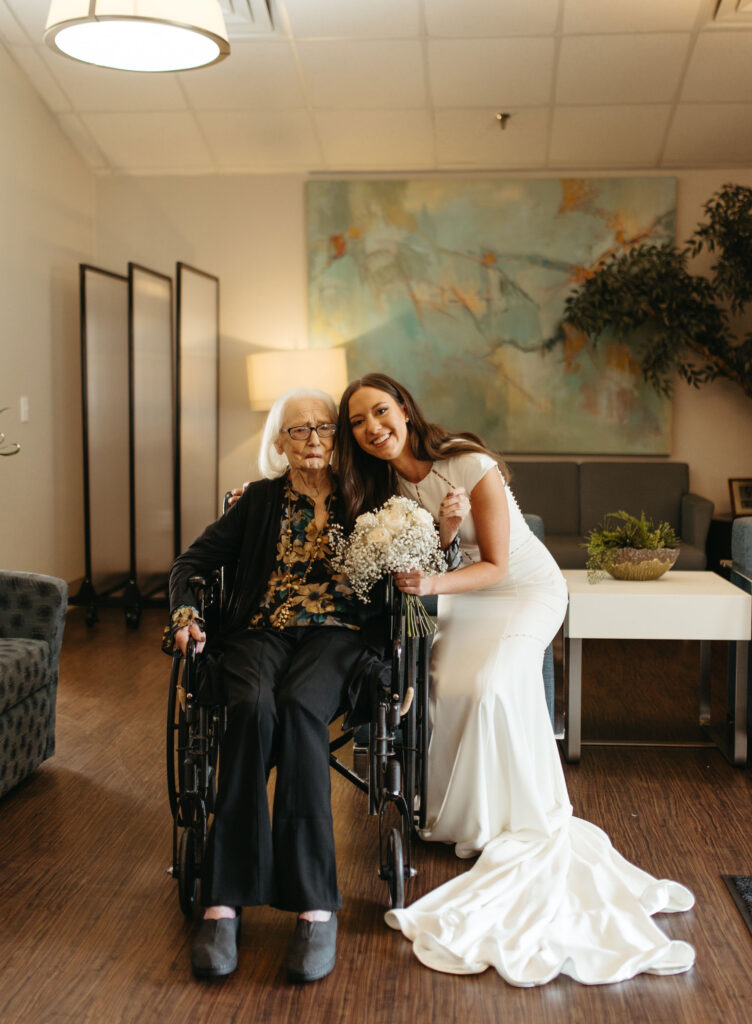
(394, 139)
(720, 68)
(256, 75)
(483, 18)
(82, 139)
(613, 136)
(363, 74)
(630, 15)
(11, 31)
(620, 68)
(31, 15)
(150, 142)
(94, 89)
(474, 138)
(710, 135)
(379, 19)
(483, 72)
(261, 140)
(40, 76)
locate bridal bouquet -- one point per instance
(397, 537)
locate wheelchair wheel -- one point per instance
(395, 864)
(188, 871)
(174, 738)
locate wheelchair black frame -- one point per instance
(398, 742)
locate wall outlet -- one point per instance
(24, 408)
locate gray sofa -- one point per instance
(572, 497)
(32, 619)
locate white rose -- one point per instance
(393, 519)
(423, 516)
(379, 536)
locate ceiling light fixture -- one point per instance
(138, 35)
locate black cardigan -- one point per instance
(244, 540)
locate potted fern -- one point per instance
(631, 548)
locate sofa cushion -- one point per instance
(24, 668)
(549, 490)
(568, 551)
(23, 738)
(655, 488)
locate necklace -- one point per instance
(289, 581)
(436, 473)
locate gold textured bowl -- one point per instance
(641, 563)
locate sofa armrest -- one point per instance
(535, 522)
(741, 545)
(696, 513)
(33, 606)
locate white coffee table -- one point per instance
(678, 606)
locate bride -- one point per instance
(548, 893)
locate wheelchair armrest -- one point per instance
(205, 589)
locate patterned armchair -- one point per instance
(32, 618)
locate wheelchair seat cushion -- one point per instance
(24, 669)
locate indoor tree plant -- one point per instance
(631, 547)
(671, 318)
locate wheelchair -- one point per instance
(389, 763)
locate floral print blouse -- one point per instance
(319, 596)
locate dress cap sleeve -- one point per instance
(471, 467)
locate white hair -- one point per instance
(271, 463)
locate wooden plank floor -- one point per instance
(91, 929)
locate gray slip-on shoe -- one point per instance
(215, 949)
(313, 950)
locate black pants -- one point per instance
(282, 688)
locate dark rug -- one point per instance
(740, 887)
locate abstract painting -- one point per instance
(456, 288)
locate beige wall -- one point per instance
(250, 232)
(46, 209)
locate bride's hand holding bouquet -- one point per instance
(398, 538)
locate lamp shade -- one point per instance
(270, 374)
(139, 35)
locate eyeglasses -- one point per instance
(303, 433)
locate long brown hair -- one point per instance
(365, 481)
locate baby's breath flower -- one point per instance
(397, 537)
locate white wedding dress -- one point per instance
(548, 894)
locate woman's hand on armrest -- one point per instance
(183, 634)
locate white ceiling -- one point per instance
(415, 85)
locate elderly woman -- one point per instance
(295, 644)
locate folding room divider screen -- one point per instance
(153, 542)
(105, 414)
(150, 404)
(197, 463)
